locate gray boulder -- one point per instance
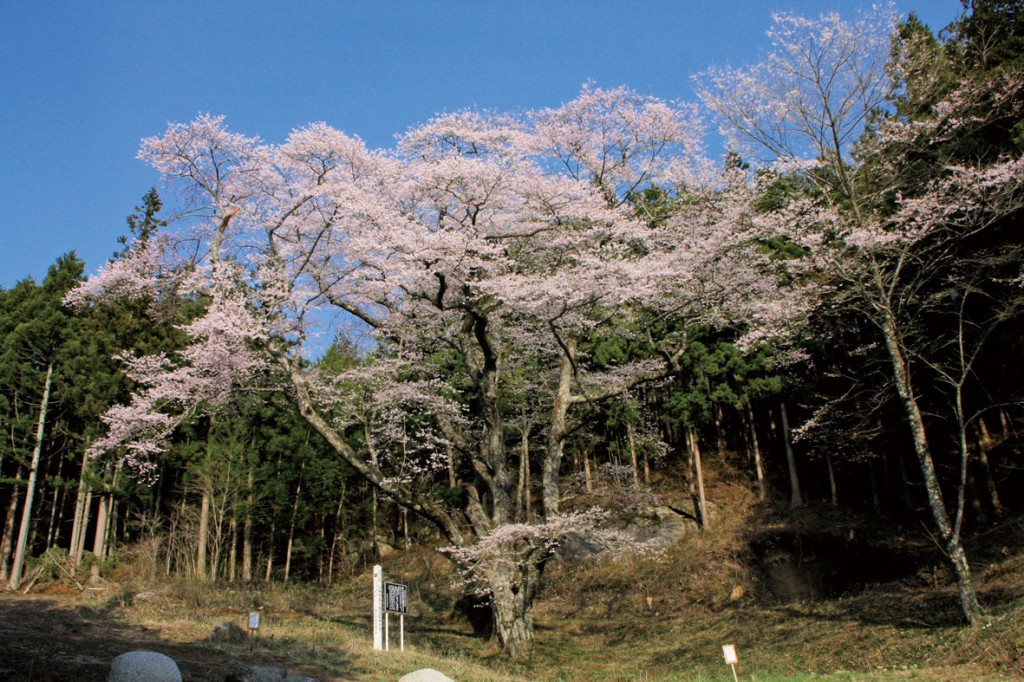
(264, 673)
(660, 527)
(655, 527)
(144, 666)
(576, 549)
(426, 675)
(227, 632)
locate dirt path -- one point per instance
(48, 640)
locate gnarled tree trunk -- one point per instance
(513, 588)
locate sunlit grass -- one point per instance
(618, 621)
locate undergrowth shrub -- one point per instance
(55, 568)
(139, 563)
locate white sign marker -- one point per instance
(254, 620)
(729, 651)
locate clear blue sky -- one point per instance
(82, 82)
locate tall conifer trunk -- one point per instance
(100, 534)
(339, 532)
(7, 541)
(632, 454)
(53, 530)
(233, 550)
(80, 515)
(270, 554)
(796, 498)
(832, 484)
(755, 448)
(985, 443)
(291, 526)
(698, 476)
(247, 527)
(203, 536)
(86, 513)
(26, 513)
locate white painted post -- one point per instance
(378, 606)
(401, 632)
(387, 634)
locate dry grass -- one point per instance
(629, 619)
(703, 595)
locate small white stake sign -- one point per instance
(729, 651)
(254, 623)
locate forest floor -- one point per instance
(868, 601)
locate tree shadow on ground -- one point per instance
(54, 640)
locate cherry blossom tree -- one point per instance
(819, 105)
(484, 247)
(807, 103)
(888, 268)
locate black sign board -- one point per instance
(395, 598)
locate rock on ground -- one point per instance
(661, 527)
(227, 632)
(264, 673)
(144, 666)
(656, 527)
(426, 675)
